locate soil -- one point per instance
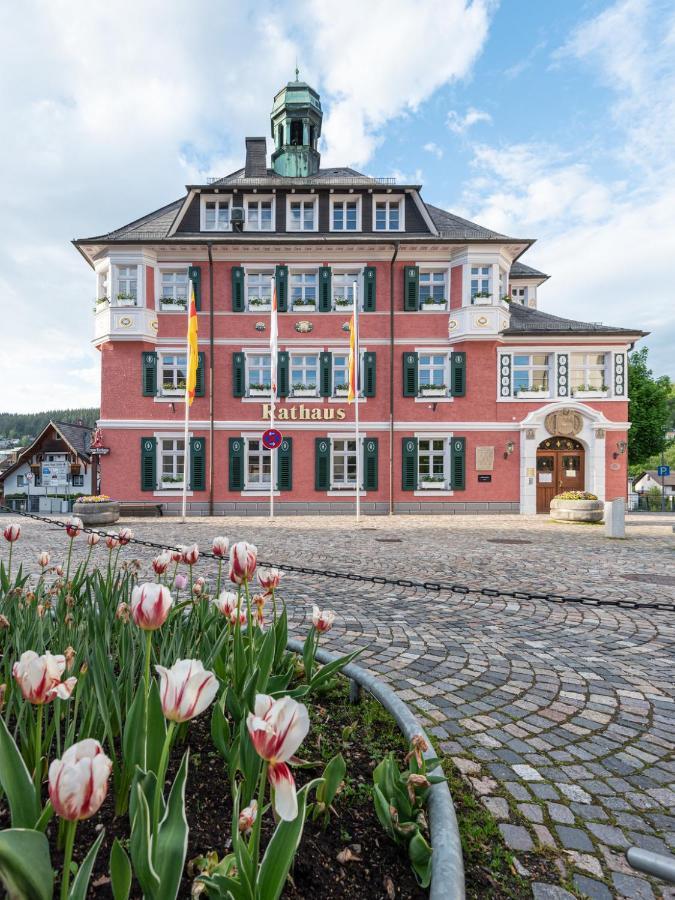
(376, 868)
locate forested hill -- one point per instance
(19, 425)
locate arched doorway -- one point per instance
(560, 467)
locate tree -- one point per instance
(648, 409)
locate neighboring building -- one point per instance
(57, 463)
(473, 399)
(650, 479)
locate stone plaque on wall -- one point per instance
(485, 459)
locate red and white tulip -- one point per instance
(220, 546)
(322, 619)
(186, 689)
(78, 782)
(39, 677)
(111, 541)
(243, 561)
(190, 554)
(269, 579)
(161, 562)
(277, 728)
(43, 559)
(93, 538)
(226, 602)
(247, 816)
(73, 526)
(124, 535)
(12, 533)
(150, 605)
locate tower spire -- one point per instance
(296, 127)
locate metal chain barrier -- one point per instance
(434, 586)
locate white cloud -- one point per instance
(434, 149)
(461, 124)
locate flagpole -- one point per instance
(357, 352)
(187, 405)
(273, 383)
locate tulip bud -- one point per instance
(122, 612)
(12, 533)
(59, 571)
(186, 689)
(150, 605)
(243, 561)
(322, 619)
(197, 589)
(93, 538)
(84, 668)
(70, 658)
(4, 622)
(43, 559)
(78, 782)
(220, 546)
(111, 541)
(73, 526)
(190, 555)
(124, 535)
(247, 817)
(69, 619)
(40, 610)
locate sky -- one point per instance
(553, 121)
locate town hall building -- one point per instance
(472, 398)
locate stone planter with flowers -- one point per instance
(577, 506)
(98, 509)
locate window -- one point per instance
(258, 465)
(127, 284)
(304, 374)
(20, 480)
(174, 290)
(258, 374)
(302, 215)
(171, 461)
(588, 372)
(519, 295)
(481, 280)
(432, 455)
(259, 290)
(215, 215)
(343, 289)
(531, 372)
(433, 289)
(388, 215)
(78, 480)
(344, 463)
(103, 282)
(173, 369)
(303, 289)
(340, 374)
(345, 214)
(433, 374)
(259, 215)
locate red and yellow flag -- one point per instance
(353, 360)
(193, 351)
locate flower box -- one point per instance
(257, 305)
(168, 304)
(126, 301)
(532, 395)
(304, 307)
(430, 304)
(431, 485)
(304, 392)
(440, 391)
(482, 301)
(341, 390)
(259, 391)
(589, 395)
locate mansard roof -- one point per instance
(528, 321)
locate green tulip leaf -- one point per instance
(281, 849)
(141, 845)
(79, 889)
(420, 858)
(120, 872)
(16, 782)
(172, 838)
(25, 867)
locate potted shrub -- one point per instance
(436, 303)
(259, 390)
(589, 392)
(482, 298)
(344, 303)
(260, 304)
(341, 390)
(173, 303)
(304, 390)
(433, 390)
(126, 300)
(431, 482)
(577, 506)
(97, 509)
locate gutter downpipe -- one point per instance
(391, 378)
(211, 379)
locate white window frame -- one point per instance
(519, 294)
(303, 273)
(117, 289)
(248, 356)
(21, 480)
(390, 199)
(344, 485)
(444, 453)
(294, 354)
(587, 368)
(266, 275)
(176, 392)
(174, 485)
(78, 480)
(480, 278)
(302, 198)
(434, 366)
(103, 284)
(531, 367)
(339, 274)
(345, 198)
(260, 198)
(431, 271)
(265, 458)
(161, 271)
(218, 199)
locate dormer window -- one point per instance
(215, 214)
(259, 213)
(388, 214)
(302, 214)
(345, 213)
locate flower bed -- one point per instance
(172, 714)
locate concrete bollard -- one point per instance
(615, 518)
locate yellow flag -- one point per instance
(193, 352)
(353, 356)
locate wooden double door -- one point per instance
(560, 467)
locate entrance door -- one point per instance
(560, 467)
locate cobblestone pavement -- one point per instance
(562, 718)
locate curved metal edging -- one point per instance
(447, 865)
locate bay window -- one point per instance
(481, 282)
(171, 461)
(259, 290)
(343, 463)
(258, 465)
(588, 372)
(303, 289)
(432, 463)
(343, 289)
(433, 289)
(127, 285)
(258, 374)
(215, 214)
(531, 373)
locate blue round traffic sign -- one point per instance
(272, 438)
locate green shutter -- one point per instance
(238, 375)
(411, 288)
(369, 288)
(458, 374)
(237, 288)
(285, 465)
(197, 464)
(410, 379)
(200, 386)
(409, 464)
(283, 387)
(458, 463)
(325, 298)
(326, 374)
(281, 275)
(236, 466)
(370, 464)
(195, 276)
(149, 377)
(368, 381)
(322, 464)
(148, 463)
